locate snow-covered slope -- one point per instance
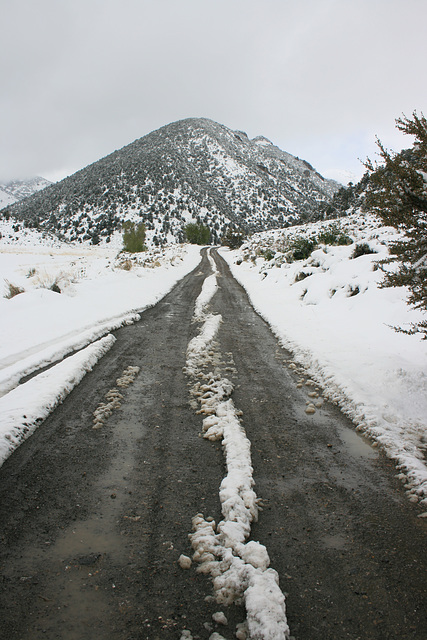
(194, 169)
(330, 311)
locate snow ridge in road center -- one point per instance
(239, 569)
(209, 287)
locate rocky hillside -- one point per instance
(11, 192)
(191, 170)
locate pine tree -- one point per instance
(397, 193)
(197, 233)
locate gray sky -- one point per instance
(319, 78)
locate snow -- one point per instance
(330, 311)
(26, 406)
(239, 568)
(5, 198)
(99, 293)
(208, 289)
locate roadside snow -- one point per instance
(331, 313)
(40, 327)
(24, 408)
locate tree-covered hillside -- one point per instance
(193, 170)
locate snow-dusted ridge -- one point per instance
(192, 167)
(19, 189)
(239, 569)
(331, 312)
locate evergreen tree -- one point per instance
(133, 237)
(397, 193)
(233, 238)
(197, 233)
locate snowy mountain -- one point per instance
(193, 169)
(19, 189)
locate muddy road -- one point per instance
(94, 520)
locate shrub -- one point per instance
(301, 248)
(334, 235)
(53, 282)
(55, 287)
(233, 238)
(134, 237)
(126, 265)
(12, 290)
(197, 233)
(362, 249)
(302, 275)
(268, 254)
(353, 291)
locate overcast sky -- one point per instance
(319, 78)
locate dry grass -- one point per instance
(126, 265)
(12, 290)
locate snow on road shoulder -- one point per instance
(28, 362)
(330, 311)
(94, 286)
(71, 296)
(24, 408)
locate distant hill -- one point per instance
(11, 192)
(190, 170)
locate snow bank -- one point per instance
(330, 311)
(24, 408)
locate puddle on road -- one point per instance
(86, 538)
(336, 541)
(356, 444)
(78, 609)
(77, 596)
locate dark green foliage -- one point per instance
(397, 193)
(334, 235)
(233, 238)
(134, 237)
(301, 247)
(268, 254)
(346, 200)
(197, 233)
(362, 249)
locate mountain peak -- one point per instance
(193, 169)
(16, 190)
(262, 141)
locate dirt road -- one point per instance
(93, 521)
